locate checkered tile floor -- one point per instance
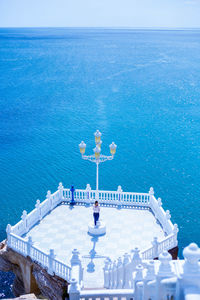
(65, 228)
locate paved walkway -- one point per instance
(65, 228)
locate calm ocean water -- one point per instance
(140, 88)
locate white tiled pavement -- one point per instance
(65, 228)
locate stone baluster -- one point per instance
(29, 245)
(115, 275)
(119, 273)
(136, 259)
(119, 191)
(87, 194)
(74, 290)
(127, 275)
(24, 220)
(112, 275)
(8, 231)
(51, 258)
(50, 200)
(139, 283)
(75, 260)
(155, 247)
(165, 271)
(60, 188)
(106, 273)
(37, 206)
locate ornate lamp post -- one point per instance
(97, 157)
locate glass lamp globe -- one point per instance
(97, 135)
(97, 151)
(82, 147)
(113, 148)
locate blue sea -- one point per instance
(140, 88)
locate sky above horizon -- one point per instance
(100, 13)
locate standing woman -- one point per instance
(96, 210)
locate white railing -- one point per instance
(108, 197)
(119, 274)
(88, 196)
(158, 279)
(47, 261)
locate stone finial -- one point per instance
(37, 205)
(165, 268)
(8, 229)
(159, 202)
(175, 229)
(24, 215)
(151, 191)
(192, 256)
(75, 260)
(168, 216)
(119, 189)
(88, 187)
(48, 196)
(60, 186)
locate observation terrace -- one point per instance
(135, 222)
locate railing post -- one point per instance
(139, 279)
(87, 194)
(75, 260)
(51, 259)
(119, 273)
(155, 247)
(24, 219)
(74, 290)
(60, 188)
(192, 256)
(29, 245)
(37, 206)
(119, 191)
(165, 271)
(8, 231)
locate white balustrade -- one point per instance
(48, 261)
(116, 275)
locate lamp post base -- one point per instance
(99, 229)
